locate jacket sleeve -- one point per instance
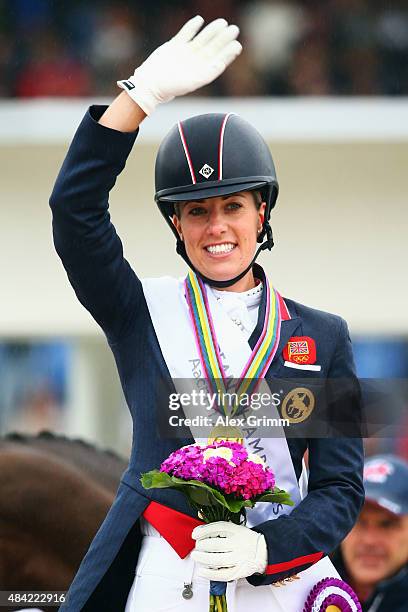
(84, 236)
(335, 491)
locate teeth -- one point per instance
(221, 248)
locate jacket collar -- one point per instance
(290, 320)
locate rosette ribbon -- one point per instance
(332, 595)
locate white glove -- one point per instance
(184, 63)
(226, 551)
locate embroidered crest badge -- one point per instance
(298, 405)
(301, 350)
(206, 171)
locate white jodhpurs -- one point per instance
(162, 577)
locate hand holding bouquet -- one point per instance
(220, 481)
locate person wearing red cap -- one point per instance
(373, 558)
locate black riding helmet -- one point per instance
(214, 155)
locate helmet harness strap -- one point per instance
(181, 250)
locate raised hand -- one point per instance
(191, 59)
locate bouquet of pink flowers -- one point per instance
(220, 481)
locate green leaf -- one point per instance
(198, 492)
(277, 496)
(249, 503)
(202, 494)
(199, 496)
(209, 493)
(156, 480)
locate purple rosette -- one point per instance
(332, 592)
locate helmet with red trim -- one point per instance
(213, 155)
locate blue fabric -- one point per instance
(217, 587)
(109, 289)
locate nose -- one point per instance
(370, 535)
(216, 223)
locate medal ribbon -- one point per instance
(206, 340)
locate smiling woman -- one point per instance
(216, 187)
(218, 213)
(220, 236)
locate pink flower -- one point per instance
(228, 468)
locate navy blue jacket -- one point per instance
(109, 289)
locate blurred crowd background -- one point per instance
(294, 47)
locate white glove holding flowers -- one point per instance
(186, 62)
(226, 551)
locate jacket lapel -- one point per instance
(288, 329)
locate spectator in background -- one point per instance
(373, 558)
(309, 73)
(271, 29)
(354, 47)
(33, 384)
(51, 70)
(114, 45)
(392, 33)
(243, 80)
(7, 51)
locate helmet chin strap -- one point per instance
(181, 250)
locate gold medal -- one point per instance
(227, 433)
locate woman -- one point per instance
(216, 186)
